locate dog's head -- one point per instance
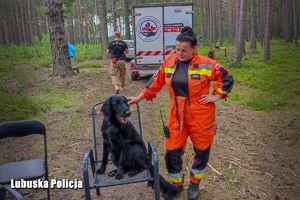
(116, 106)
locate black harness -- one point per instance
(117, 50)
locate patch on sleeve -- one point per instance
(156, 73)
(217, 66)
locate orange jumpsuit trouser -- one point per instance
(176, 146)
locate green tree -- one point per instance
(59, 47)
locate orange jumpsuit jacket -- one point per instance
(201, 71)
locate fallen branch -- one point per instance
(229, 166)
(72, 145)
(264, 144)
(234, 163)
(214, 169)
(269, 174)
(252, 170)
(236, 159)
(253, 154)
(284, 187)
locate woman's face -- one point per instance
(185, 50)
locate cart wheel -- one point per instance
(134, 77)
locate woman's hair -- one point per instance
(187, 34)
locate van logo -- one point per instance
(148, 28)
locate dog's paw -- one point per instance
(119, 176)
(151, 184)
(132, 173)
(101, 170)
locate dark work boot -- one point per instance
(193, 191)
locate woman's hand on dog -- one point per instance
(136, 99)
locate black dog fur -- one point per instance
(127, 148)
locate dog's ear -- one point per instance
(126, 100)
(106, 108)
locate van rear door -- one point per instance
(175, 18)
(148, 22)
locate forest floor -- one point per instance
(255, 154)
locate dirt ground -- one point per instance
(255, 155)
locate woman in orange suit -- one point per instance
(192, 109)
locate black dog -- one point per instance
(127, 148)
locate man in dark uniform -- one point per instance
(118, 49)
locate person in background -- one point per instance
(118, 48)
(187, 76)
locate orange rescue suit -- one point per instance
(187, 117)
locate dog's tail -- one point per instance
(168, 189)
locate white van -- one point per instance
(156, 27)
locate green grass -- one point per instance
(21, 68)
(90, 65)
(233, 179)
(40, 52)
(60, 101)
(265, 85)
(261, 85)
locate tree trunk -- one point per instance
(80, 32)
(237, 20)
(40, 27)
(244, 28)
(207, 19)
(9, 31)
(267, 31)
(262, 20)
(71, 28)
(96, 29)
(86, 23)
(61, 62)
(233, 21)
(18, 23)
(13, 19)
(229, 19)
(220, 24)
(288, 21)
(295, 22)
(34, 19)
(114, 18)
(203, 23)
(209, 23)
(22, 22)
(253, 25)
(103, 28)
(2, 39)
(213, 23)
(30, 24)
(241, 32)
(126, 16)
